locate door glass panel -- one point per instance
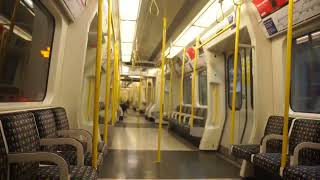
(203, 88)
(230, 82)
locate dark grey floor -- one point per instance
(174, 165)
(136, 125)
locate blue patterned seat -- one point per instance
(302, 173)
(303, 130)
(3, 159)
(273, 126)
(21, 135)
(62, 123)
(47, 129)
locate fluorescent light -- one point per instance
(129, 9)
(126, 49)
(188, 35)
(126, 58)
(135, 77)
(124, 69)
(227, 4)
(208, 16)
(29, 3)
(128, 30)
(173, 51)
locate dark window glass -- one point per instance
(203, 88)
(230, 82)
(24, 51)
(305, 86)
(187, 90)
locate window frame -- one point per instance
(49, 15)
(294, 110)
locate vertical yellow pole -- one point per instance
(97, 88)
(164, 32)
(146, 92)
(139, 95)
(235, 73)
(170, 87)
(193, 84)
(107, 97)
(181, 83)
(114, 87)
(287, 86)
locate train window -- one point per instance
(26, 34)
(203, 88)
(187, 90)
(230, 82)
(305, 87)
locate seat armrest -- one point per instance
(66, 141)
(78, 132)
(294, 161)
(42, 156)
(263, 148)
(194, 117)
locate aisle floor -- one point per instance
(132, 154)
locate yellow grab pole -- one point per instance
(287, 86)
(139, 95)
(114, 86)
(97, 88)
(107, 96)
(235, 73)
(193, 84)
(170, 87)
(181, 83)
(164, 32)
(147, 98)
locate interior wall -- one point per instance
(70, 87)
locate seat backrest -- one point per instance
(184, 109)
(61, 118)
(3, 159)
(305, 130)
(188, 110)
(46, 126)
(275, 126)
(45, 123)
(21, 135)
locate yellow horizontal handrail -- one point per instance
(215, 35)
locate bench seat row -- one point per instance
(303, 156)
(193, 133)
(39, 144)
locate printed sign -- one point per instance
(277, 22)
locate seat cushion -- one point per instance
(245, 151)
(71, 157)
(76, 173)
(302, 173)
(270, 162)
(3, 159)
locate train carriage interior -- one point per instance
(159, 89)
